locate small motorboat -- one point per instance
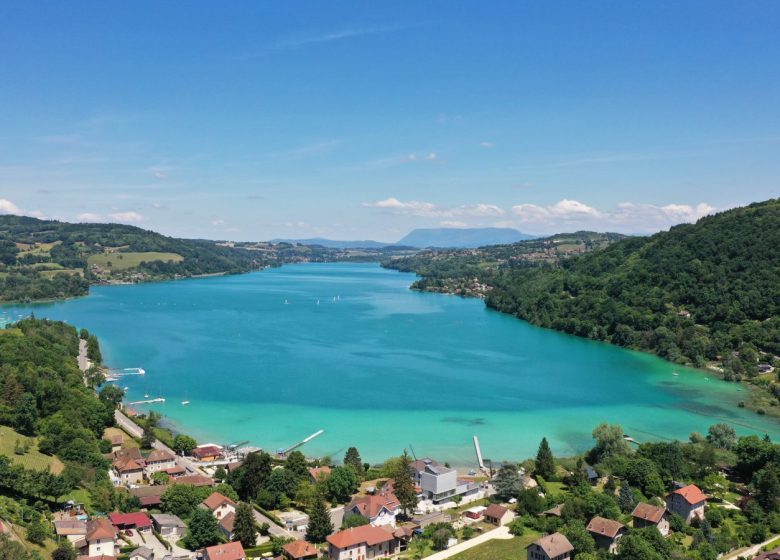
(185, 403)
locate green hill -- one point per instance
(42, 259)
(698, 293)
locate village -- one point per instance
(452, 512)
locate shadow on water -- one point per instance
(464, 421)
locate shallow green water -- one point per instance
(381, 367)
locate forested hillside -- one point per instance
(699, 293)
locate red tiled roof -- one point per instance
(127, 464)
(648, 512)
(357, 535)
(227, 522)
(194, 480)
(606, 527)
(495, 511)
(315, 472)
(158, 455)
(300, 549)
(370, 506)
(691, 494)
(68, 527)
(100, 529)
(206, 451)
(135, 519)
(147, 501)
(216, 499)
(229, 551)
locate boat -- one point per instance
(185, 403)
(675, 373)
(146, 396)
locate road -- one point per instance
(500, 533)
(749, 552)
(273, 529)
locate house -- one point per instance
(137, 520)
(688, 502)
(116, 442)
(380, 509)
(362, 543)
(773, 554)
(294, 520)
(194, 480)
(440, 484)
(318, 473)
(593, 476)
(226, 525)
(648, 515)
(175, 472)
(551, 547)
(209, 452)
(498, 515)
(419, 465)
(159, 460)
(556, 511)
(127, 453)
(142, 553)
(606, 532)
(100, 538)
(299, 550)
(149, 496)
(73, 530)
(129, 470)
(229, 551)
(219, 505)
(476, 512)
(169, 526)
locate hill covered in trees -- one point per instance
(695, 294)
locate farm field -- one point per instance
(33, 459)
(123, 261)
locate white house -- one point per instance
(219, 505)
(159, 460)
(365, 542)
(100, 538)
(439, 483)
(380, 509)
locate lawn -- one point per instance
(33, 459)
(123, 261)
(52, 273)
(499, 548)
(129, 442)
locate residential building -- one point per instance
(294, 520)
(556, 511)
(142, 553)
(441, 484)
(648, 515)
(149, 496)
(209, 452)
(219, 505)
(498, 515)
(137, 520)
(74, 530)
(773, 554)
(129, 470)
(100, 538)
(229, 551)
(551, 547)
(362, 543)
(318, 473)
(226, 525)
(477, 512)
(159, 460)
(419, 465)
(194, 480)
(606, 532)
(117, 442)
(300, 550)
(380, 509)
(169, 526)
(688, 502)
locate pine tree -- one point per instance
(403, 485)
(508, 483)
(352, 459)
(626, 498)
(244, 526)
(545, 463)
(320, 525)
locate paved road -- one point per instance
(500, 533)
(274, 529)
(750, 552)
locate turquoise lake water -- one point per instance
(381, 367)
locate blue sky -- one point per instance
(253, 120)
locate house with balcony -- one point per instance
(441, 484)
(363, 543)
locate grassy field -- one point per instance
(33, 459)
(45, 551)
(123, 261)
(129, 442)
(71, 271)
(499, 548)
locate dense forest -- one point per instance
(695, 294)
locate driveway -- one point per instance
(499, 533)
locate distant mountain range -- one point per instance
(421, 238)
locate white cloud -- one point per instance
(431, 210)
(218, 222)
(453, 223)
(130, 217)
(8, 207)
(431, 156)
(487, 144)
(160, 175)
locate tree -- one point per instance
(277, 545)
(508, 484)
(220, 474)
(26, 415)
(64, 551)
(112, 394)
(441, 537)
(403, 485)
(609, 442)
(244, 526)
(545, 463)
(516, 527)
(579, 537)
(352, 459)
(184, 444)
(320, 525)
(296, 464)
(148, 437)
(160, 478)
(417, 548)
(626, 498)
(341, 484)
(202, 530)
(722, 436)
(182, 499)
(36, 530)
(767, 485)
(251, 476)
(634, 547)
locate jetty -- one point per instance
(284, 452)
(629, 439)
(149, 401)
(127, 371)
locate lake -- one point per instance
(274, 356)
